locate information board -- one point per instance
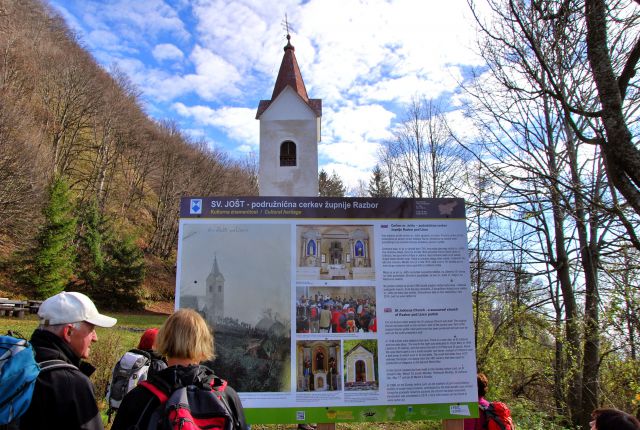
(334, 309)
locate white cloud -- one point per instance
(351, 138)
(137, 20)
(213, 79)
(349, 175)
(122, 25)
(462, 126)
(238, 124)
(247, 33)
(413, 46)
(402, 89)
(195, 133)
(369, 123)
(157, 85)
(214, 76)
(167, 51)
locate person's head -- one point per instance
(73, 317)
(148, 339)
(613, 419)
(483, 384)
(185, 335)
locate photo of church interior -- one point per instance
(335, 252)
(318, 365)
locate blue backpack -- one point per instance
(18, 374)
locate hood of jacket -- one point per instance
(175, 377)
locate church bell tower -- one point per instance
(289, 134)
(214, 308)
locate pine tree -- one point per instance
(55, 254)
(93, 233)
(124, 274)
(330, 186)
(378, 184)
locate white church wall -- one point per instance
(298, 180)
(288, 105)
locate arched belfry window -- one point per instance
(288, 153)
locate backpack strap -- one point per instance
(218, 386)
(156, 391)
(483, 419)
(141, 352)
(48, 365)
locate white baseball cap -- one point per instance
(70, 307)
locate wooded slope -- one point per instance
(63, 116)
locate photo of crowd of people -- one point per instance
(336, 310)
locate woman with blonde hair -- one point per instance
(184, 340)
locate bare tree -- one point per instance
(361, 189)
(591, 46)
(537, 52)
(425, 157)
(386, 163)
(614, 69)
(21, 171)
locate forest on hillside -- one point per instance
(89, 184)
(89, 188)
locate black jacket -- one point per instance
(139, 404)
(62, 398)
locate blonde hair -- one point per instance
(185, 334)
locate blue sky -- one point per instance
(207, 63)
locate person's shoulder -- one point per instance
(138, 397)
(228, 389)
(63, 372)
(133, 406)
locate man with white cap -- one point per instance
(64, 398)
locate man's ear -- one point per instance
(66, 332)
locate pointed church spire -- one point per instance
(289, 74)
(215, 270)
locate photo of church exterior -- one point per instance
(249, 310)
(335, 252)
(360, 365)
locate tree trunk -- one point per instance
(622, 158)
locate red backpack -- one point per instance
(191, 408)
(498, 416)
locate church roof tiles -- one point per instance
(289, 76)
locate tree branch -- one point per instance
(629, 70)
